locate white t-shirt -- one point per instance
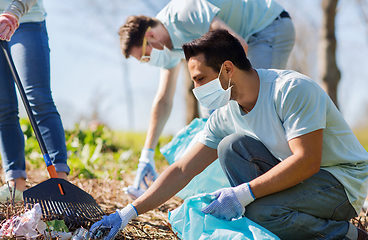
(289, 105)
(186, 20)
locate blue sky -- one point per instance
(89, 73)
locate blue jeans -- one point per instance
(31, 54)
(316, 208)
(271, 47)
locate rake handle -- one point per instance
(46, 157)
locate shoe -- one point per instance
(5, 194)
(362, 235)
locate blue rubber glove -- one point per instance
(230, 202)
(146, 169)
(115, 222)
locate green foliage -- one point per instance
(57, 226)
(96, 152)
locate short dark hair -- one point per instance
(132, 32)
(218, 46)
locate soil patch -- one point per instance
(110, 196)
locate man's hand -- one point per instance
(230, 202)
(115, 222)
(8, 24)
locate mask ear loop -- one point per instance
(220, 74)
(228, 86)
(143, 57)
(220, 71)
(149, 28)
(163, 46)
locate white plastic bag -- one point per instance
(190, 223)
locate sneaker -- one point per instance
(6, 196)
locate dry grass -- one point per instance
(110, 196)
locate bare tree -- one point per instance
(329, 71)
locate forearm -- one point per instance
(162, 189)
(162, 104)
(286, 174)
(175, 177)
(160, 113)
(301, 165)
(20, 7)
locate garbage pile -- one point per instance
(30, 226)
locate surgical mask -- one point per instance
(212, 95)
(160, 58)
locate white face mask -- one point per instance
(212, 95)
(160, 58)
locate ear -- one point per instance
(151, 35)
(228, 68)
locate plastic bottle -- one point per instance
(81, 234)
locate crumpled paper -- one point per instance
(28, 224)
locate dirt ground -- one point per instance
(110, 196)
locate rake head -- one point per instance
(61, 200)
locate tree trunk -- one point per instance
(330, 74)
(190, 100)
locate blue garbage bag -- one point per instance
(190, 223)
(212, 178)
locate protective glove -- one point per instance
(230, 202)
(115, 222)
(133, 192)
(146, 168)
(8, 24)
(144, 171)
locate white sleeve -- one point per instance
(302, 107)
(20, 7)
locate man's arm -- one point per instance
(302, 164)
(176, 177)
(217, 23)
(162, 104)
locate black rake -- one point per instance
(59, 199)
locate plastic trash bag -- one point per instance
(190, 223)
(212, 178)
